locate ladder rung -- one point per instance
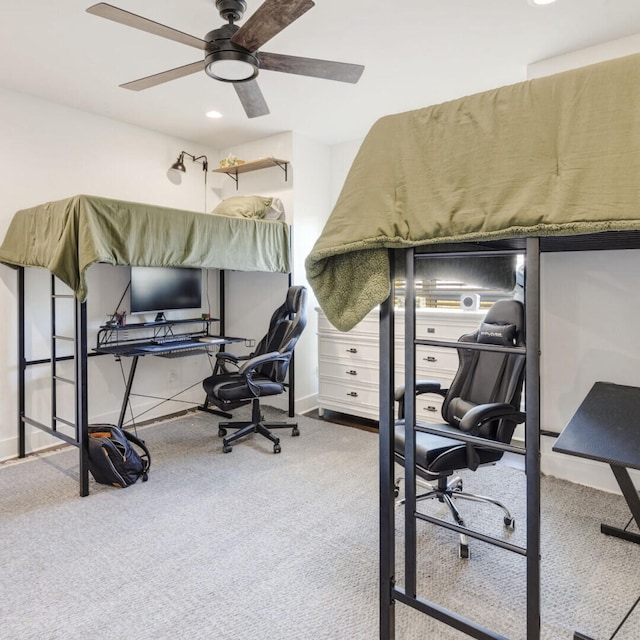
(67, 422)
(67, 338)
(61, 379)
(63, 295)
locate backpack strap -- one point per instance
(145, 457)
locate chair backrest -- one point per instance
(486, 376)
(286, 325)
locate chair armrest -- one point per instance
(422, 386)
(225, 358)
(256, 361)
(476, 417)
(248, 368)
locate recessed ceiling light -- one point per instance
(214, 114)
(540, 3)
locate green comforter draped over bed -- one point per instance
(553, 156)
(67, 236)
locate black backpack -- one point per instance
(112, 458)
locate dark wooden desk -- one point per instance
(606, 427)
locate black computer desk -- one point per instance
(169, 349)
(606, 427)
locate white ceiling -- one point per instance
(416, 53)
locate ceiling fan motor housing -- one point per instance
(227, 61)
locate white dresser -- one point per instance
(348, 362)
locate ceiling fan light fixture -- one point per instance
(231, 66)
(540, 3)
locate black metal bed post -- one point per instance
(21, 366)
(291, 391)
(532, 434)
(82, 394)
(410, 522)
(221, 302)
(387, 522)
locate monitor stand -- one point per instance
(160, 317)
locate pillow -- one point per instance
(243, 207)
(501, 334)
(275, 211)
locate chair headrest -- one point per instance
(296, 297)
(503, 324)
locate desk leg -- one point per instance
(633, 501)
(127, 391)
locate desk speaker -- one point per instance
(470, 301)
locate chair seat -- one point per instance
(440, 455)
(234, 388)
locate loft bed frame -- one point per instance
(391, 592)
(546, 165)
(66, 237)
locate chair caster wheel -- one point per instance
(295, 431)
(463, 551)
(277, 448)
(221, 432)
(510, 523)
(227, 448)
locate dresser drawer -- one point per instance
(367, 328)
(436, 359)
(349, 349)
(353, 399)
(449, 327)
(350, 372)
(429, 407)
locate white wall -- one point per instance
(53, 152)
(588, 315)
(305, 195)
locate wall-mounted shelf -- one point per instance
(254, 165)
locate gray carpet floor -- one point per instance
(250, 545)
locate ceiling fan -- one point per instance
(231, 52)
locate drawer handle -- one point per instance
(353, 394)
(352, 372)
(431, 329)
(431, 359)
(431, 408)
(352, 350)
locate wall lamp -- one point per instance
(178, 165)
(177, 169)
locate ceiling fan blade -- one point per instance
(341, 71)
(110, 12)
(251, 98)
(165, 76)
(269, 19)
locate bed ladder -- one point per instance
(78, 381)
(391, 592)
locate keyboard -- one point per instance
(185, 337)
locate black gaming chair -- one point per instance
(240, 380)
(483, 400)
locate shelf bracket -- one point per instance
(234, 177)
(284, 166)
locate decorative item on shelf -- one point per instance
(230, 161)
(117, 320)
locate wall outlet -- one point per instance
(173, 375)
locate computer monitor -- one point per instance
(159, 289)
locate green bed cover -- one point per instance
(558, 155)
(68, 236)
